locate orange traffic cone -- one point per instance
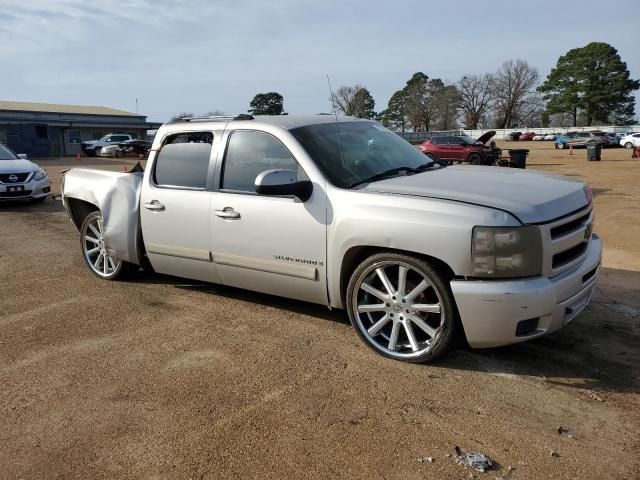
(570, 150)
(78, 156)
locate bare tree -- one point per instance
(515, 82)
(477, 95)
(353, 101)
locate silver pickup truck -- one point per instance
(343, 212)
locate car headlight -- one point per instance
(506, 252)
(40, 174)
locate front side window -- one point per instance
(353, 151)
(250, 153)
(183, 161)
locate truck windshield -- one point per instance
(6, 154)
(367, 149)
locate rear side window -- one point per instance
(183, 161)
(250, 153)
(439, 140)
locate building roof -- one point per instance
(58, 108)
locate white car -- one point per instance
(550, 137)
(21, 179)
(630, 141)
(111, 151)
(538, 137)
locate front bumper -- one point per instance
(491, 310)
(31, 190)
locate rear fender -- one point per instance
(117, 196)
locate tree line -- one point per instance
(589, 85)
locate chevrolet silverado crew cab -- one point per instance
(345, 213)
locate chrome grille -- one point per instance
(14, 177)
(565, 241)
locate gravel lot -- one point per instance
(159, 377)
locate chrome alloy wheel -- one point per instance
(398, 309)
(95, 252)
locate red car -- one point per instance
(461, 148)
(527, 136)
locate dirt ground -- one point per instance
(162, 378)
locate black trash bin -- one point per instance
(594, 151)
(518, 157)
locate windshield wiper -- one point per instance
(384, 174)
(425, 166)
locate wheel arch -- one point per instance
(78, 210)
(356, 254)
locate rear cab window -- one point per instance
(183, 161)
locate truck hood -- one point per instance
(532, 197)
(17, 166)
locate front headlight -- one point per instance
(40, 174)
(506, 252)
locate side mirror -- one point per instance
(282, 183)
(23, 156)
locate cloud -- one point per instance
(199, 55)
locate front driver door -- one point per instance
(275, 245)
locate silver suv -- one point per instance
(347, 214)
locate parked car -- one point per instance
(631, 140)
(550, 137)
(578, 139)
(538, 137)
(111, 151)
(21, 179)
(514, 136)
(93, 147)
(526, 137)
(461, 148)
(611, 140)
(136, 147)
(347, 214)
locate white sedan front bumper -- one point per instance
(492, 310)
(31, 190)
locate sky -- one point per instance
(197, 56)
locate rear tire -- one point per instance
(561, 146)
(94, 252)
(628, 145)
(402, 307)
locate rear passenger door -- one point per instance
(175, 207)
(270, 244)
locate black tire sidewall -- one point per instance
(439, 281)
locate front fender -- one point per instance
(437, 228)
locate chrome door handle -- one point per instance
(228, 213)
(154, 206)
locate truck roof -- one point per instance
(287, 122)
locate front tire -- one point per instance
(474, 159)
(94, 251)
(561, 146)
(628, 145)
(402, 307)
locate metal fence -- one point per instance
(502, 133)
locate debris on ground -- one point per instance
(554, 454)
(475, 460)
(564, 431)
(596, 397)
(426, 460)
